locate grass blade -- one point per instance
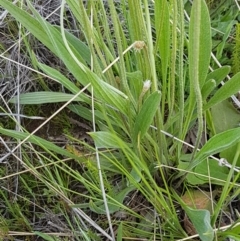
(46, 145)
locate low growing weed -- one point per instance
(148, 79)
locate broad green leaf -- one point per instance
(199, 42)
(201, 222)
(225, 116)
(200, 218)
(230, 88)
(216, 144)
(216, 172)
(102, 90)
(146, 114)
(230, 153)
(42, 97)
(135, 175)
(219, 74)
(107, 93)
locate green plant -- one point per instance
(236, 52)
(136, 86)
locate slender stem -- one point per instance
(181, 74)
(194, 79)
(171, 82)
(158, 119)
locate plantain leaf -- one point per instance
(218, 174)
(58, 76)
(199, 42)
(219, 74)
(145, 117)
(217, 144)
(200, 218)
(226, 28)
(135, 82)
(208, 88)
(230, 88)
(232, 233)
(201, 221)
(225, 117)
(43, 97)
(199, 50)
(79, 46)
(162, 25)
(105, 139)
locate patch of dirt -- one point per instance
(56, 129)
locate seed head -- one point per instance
(139, 45)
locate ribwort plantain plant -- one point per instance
(140, 72)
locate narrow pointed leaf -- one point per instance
(113, 206)
(43, 97)
(162, 25)
(219, 74)
(80, 46)
(103, 139)
(216, 144)
(199, 42)
(51, 37)
(60, 77)
(46, 237)
(230, 88)
(145, 117)
(120, 232)
(208, 88)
